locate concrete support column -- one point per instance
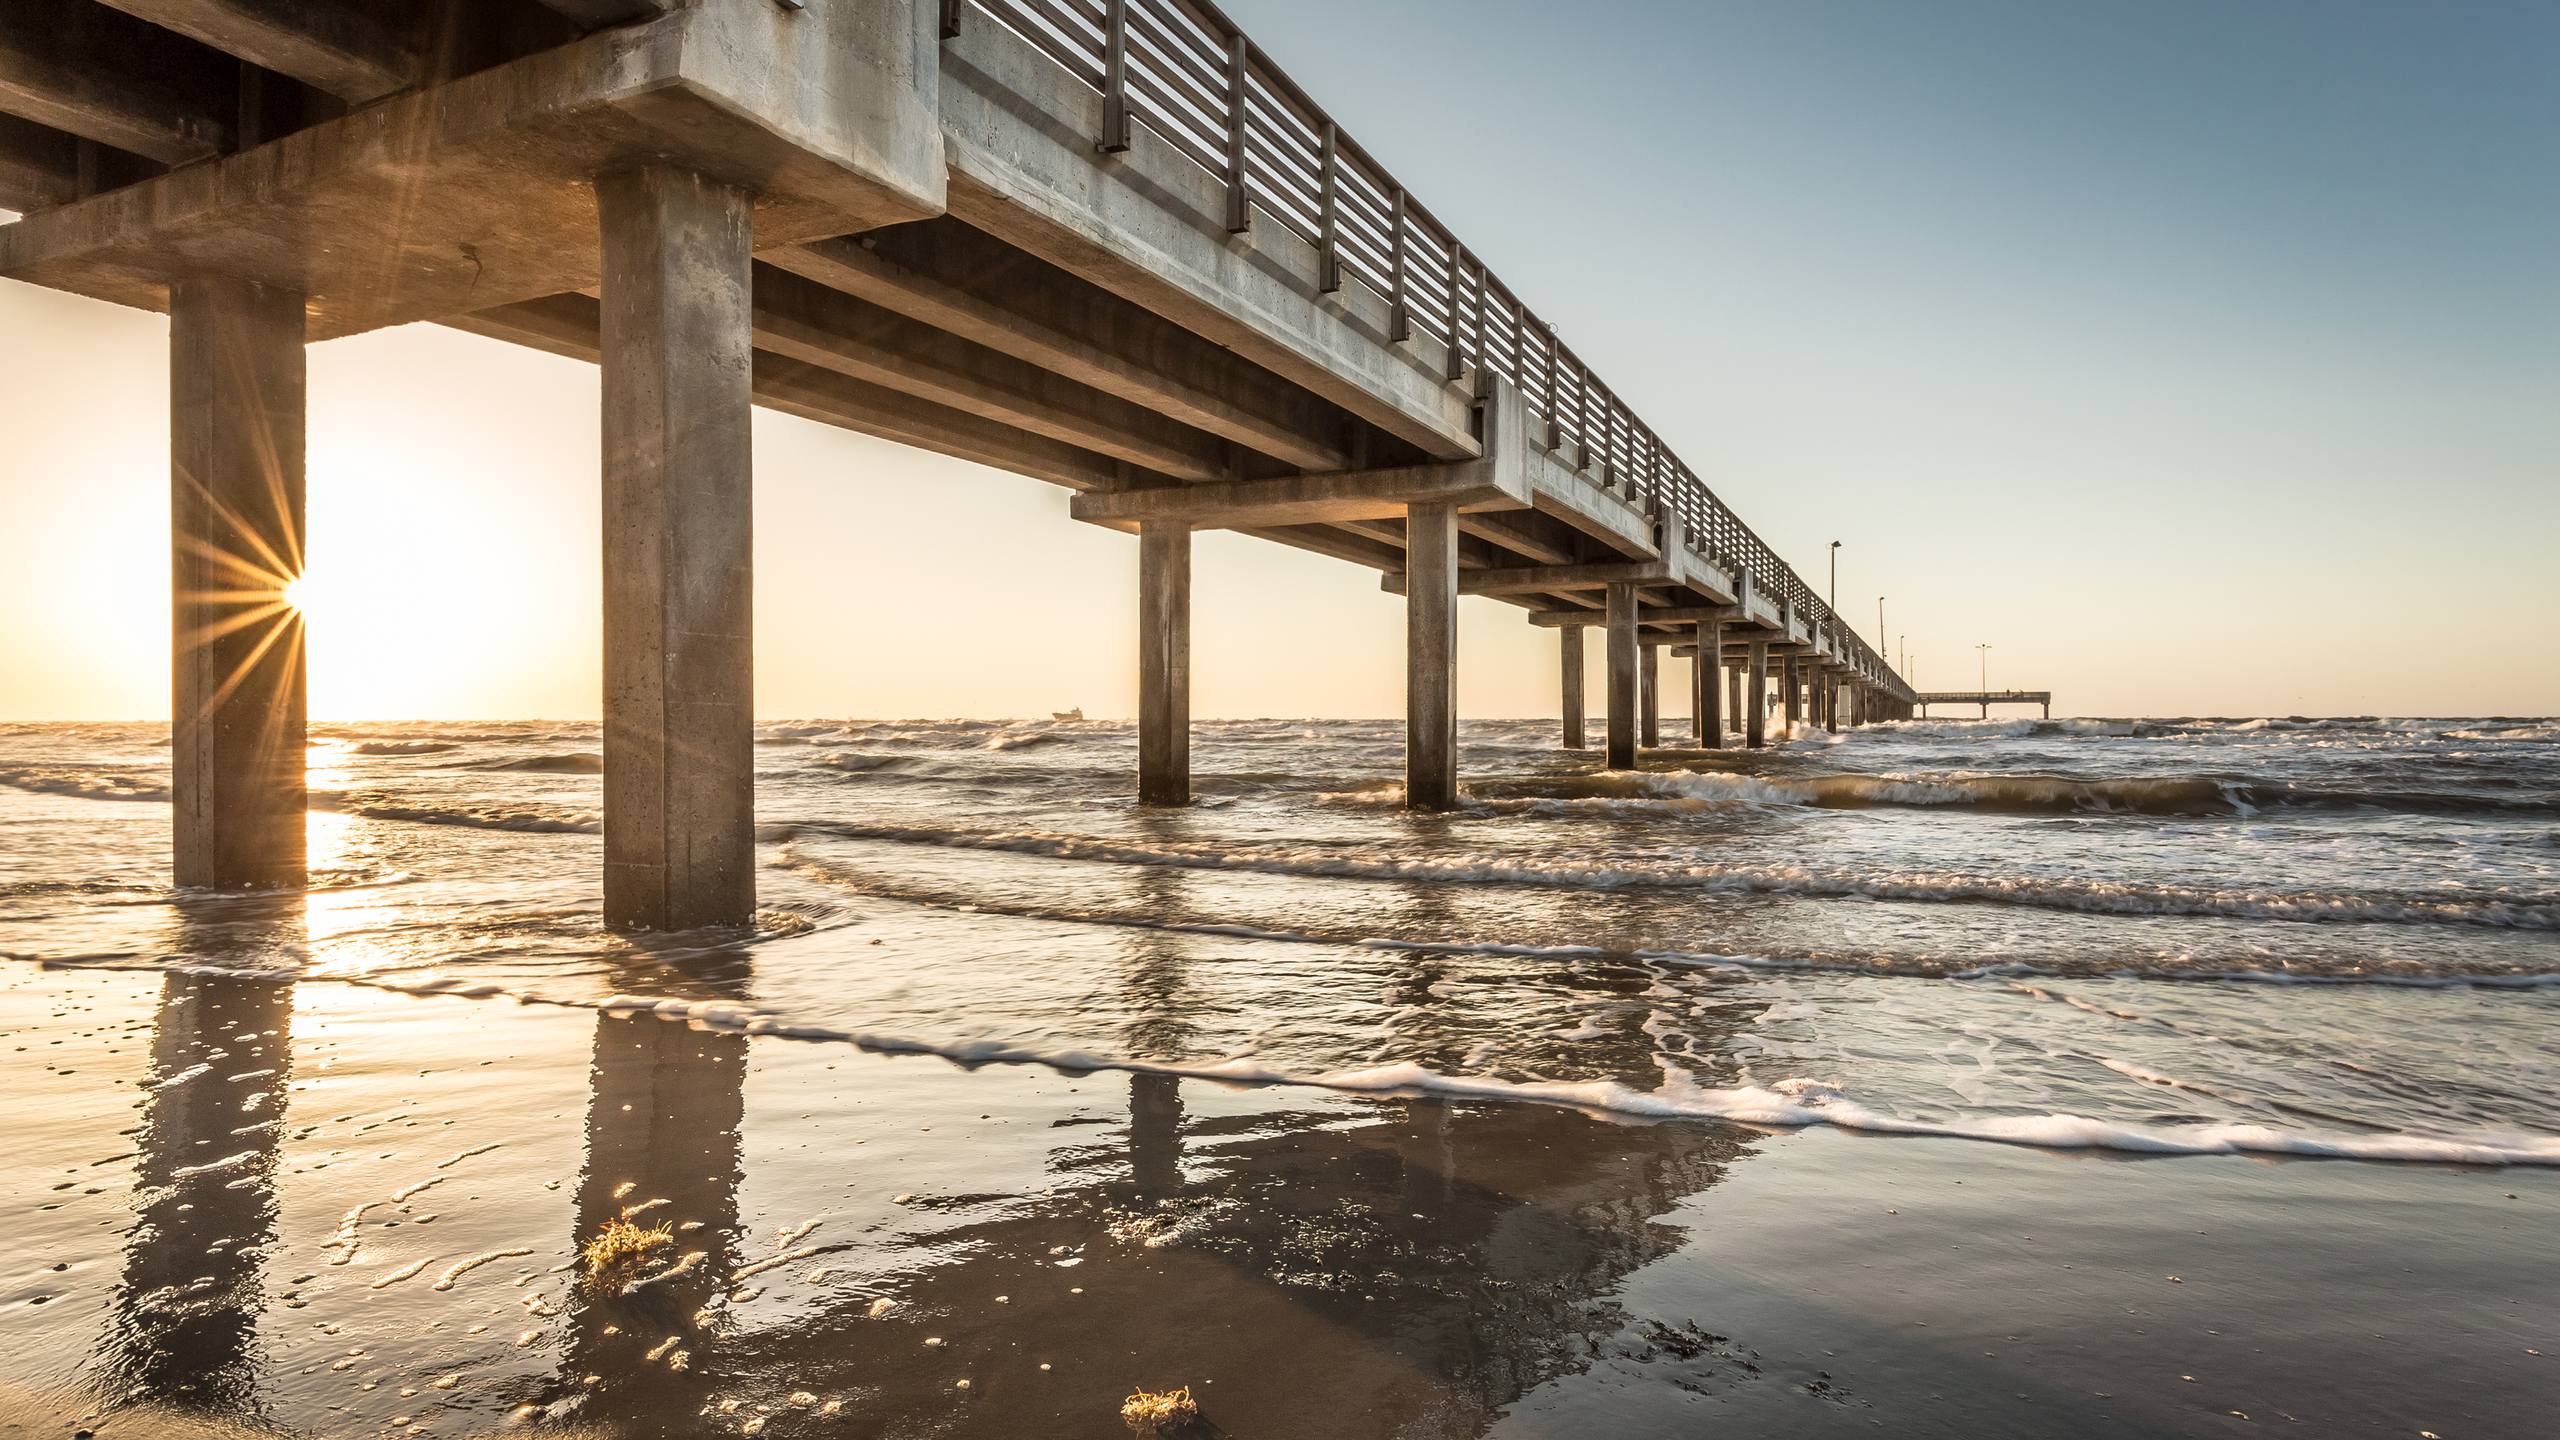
(1831, 702)
(1733, 696)
(1710, 685)
(1570, 639)
(1794, 683)
(1164, 662)
(1649, 698)
(679, 653)
(1756, 719)
(1431, 656)
(1623, 666)
(237, 687)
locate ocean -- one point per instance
(1769, 1090)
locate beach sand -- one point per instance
(325, 1209)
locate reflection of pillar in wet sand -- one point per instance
(1155, 1135)
(662, 1150)
(186, 1316)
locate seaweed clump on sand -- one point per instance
(1153, 1415)
(615, 1255)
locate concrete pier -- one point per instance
(1649, 684)
(1710, 688)
(237, 693)
(1569, 640)
(1756, 718)
(1164, 662)
(679, 682)
(1623, 665)
(1431, 656)
(993, 240)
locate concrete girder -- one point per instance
(958, 279)
(1541, 579)
(807, 321)
(1357, 495)
(566, 325)
(596, 14)
(39, 165)
(478, 192)
(108, 77)
(345, 48)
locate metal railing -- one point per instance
(1185, 71)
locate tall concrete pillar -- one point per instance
(1164, 662)
(1733, 695)
(1710, 685)
(1756, 719)
(1623, 666)
(237, 688)
(679, 653)
(1794, 683)
(1831, 701)
(1649, 698)
(1431, 656)
(1570, 639)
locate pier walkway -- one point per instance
(1984, 698)
(1105, 243)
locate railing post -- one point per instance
(1239, 193)
(1328, 205)
(1115, 77)
(1457, 367)
(950, 27)
(1399, 314)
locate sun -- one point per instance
(299, 592)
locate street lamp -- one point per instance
(1880, 632)
(1984, 651)
(1834, 602)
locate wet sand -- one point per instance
(328, 1210)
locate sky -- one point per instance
(2199, 358)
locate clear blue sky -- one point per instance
(2199, 357)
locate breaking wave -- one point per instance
(2055, 893)
(520, 817)
(1918, 967)
(575, 762)
(402, 747)
(1796, 1102)
(85, 784)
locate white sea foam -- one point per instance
(1792, 1103)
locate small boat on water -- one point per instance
(1075, 714)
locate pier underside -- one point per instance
(887, 215)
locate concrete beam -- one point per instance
(111, 78)
(477, 192)
(954, 278)
(347, 48)
(237, 695)
(679, 692)
(1538, 579)
(39, 165)
(596, 14)
(567, 325)
(801, 320)
(1358, 495)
